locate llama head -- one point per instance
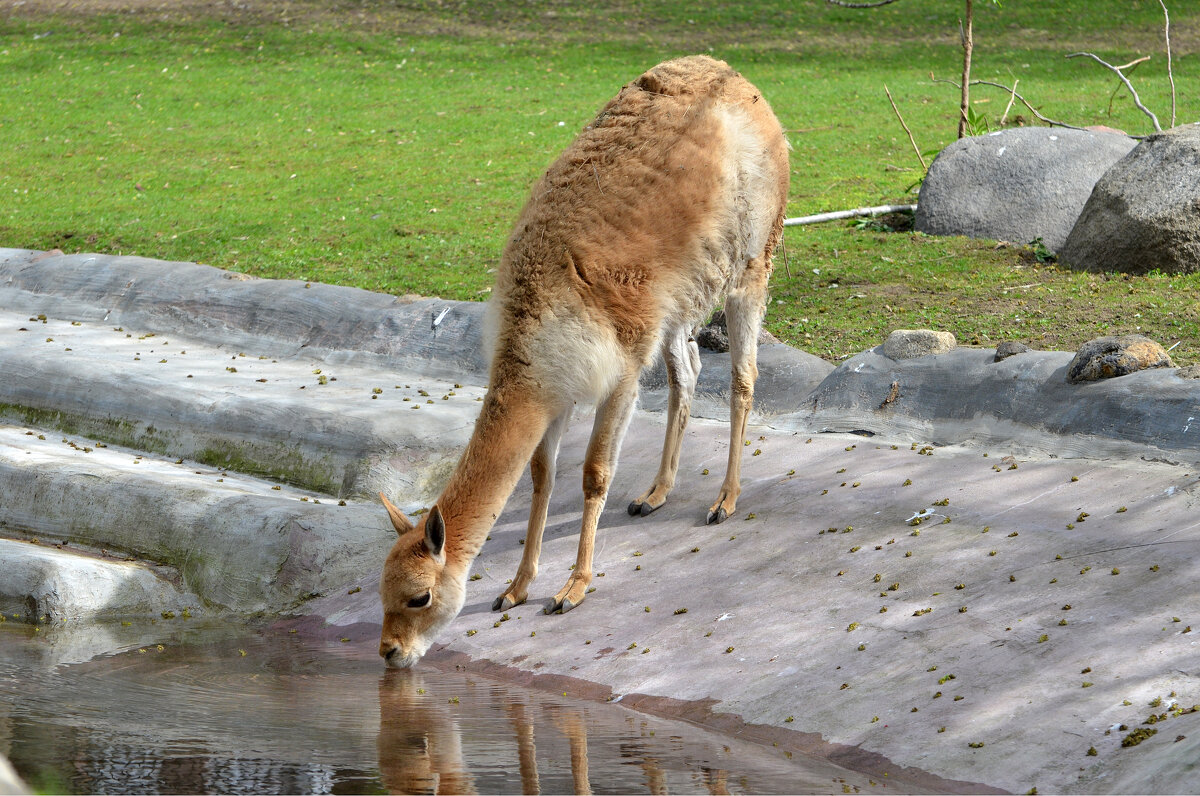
(420, 594)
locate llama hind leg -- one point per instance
(682, 359)
(599, 465)
(744, 309)
(541, 469)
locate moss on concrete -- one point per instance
(273, 462)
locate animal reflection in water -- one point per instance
(421, 746)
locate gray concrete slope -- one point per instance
(1003, 619)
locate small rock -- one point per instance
(1109, 357)
(913, 343)
(1008, 349)
(1190, 372)
(715, 334)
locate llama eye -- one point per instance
(420, 602)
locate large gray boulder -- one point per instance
(1016, 185)
(1144, 213)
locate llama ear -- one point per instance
(435, 534)
(401, 523)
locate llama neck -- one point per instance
(506, 434)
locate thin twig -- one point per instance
(596, 174)
(1011, 99)
(1130, 66)
(1170, 73)
(1136, 99)
(845, 4)
(1032, 110)
(911, 140)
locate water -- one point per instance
(229, 710)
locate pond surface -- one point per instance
(187, 708)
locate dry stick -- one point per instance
(1136, 99)
(1170, 73)
(1011, 100)
(844, 4)
(1032, 110)
(911, 140)
(1130, 66)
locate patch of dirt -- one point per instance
(563, 19)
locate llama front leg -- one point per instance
(682, 360)
(600, 463)
(743, 314)
(541, 470)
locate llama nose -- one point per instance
(389, 652)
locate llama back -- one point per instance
(640, 225)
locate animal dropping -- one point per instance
(669, 201)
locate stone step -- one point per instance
(56, 583)
(344, 430)
(237, 543)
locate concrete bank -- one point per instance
(979, 594)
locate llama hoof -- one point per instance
(504, 602)
(717, 516)
(636, 508)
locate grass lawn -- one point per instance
(390, 145)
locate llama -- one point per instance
(669, 200)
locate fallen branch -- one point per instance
(911, 140)
(1136, 99)
(845, 4)
(856, 213)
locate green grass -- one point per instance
(390, 148)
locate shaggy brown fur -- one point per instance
(669, 200)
